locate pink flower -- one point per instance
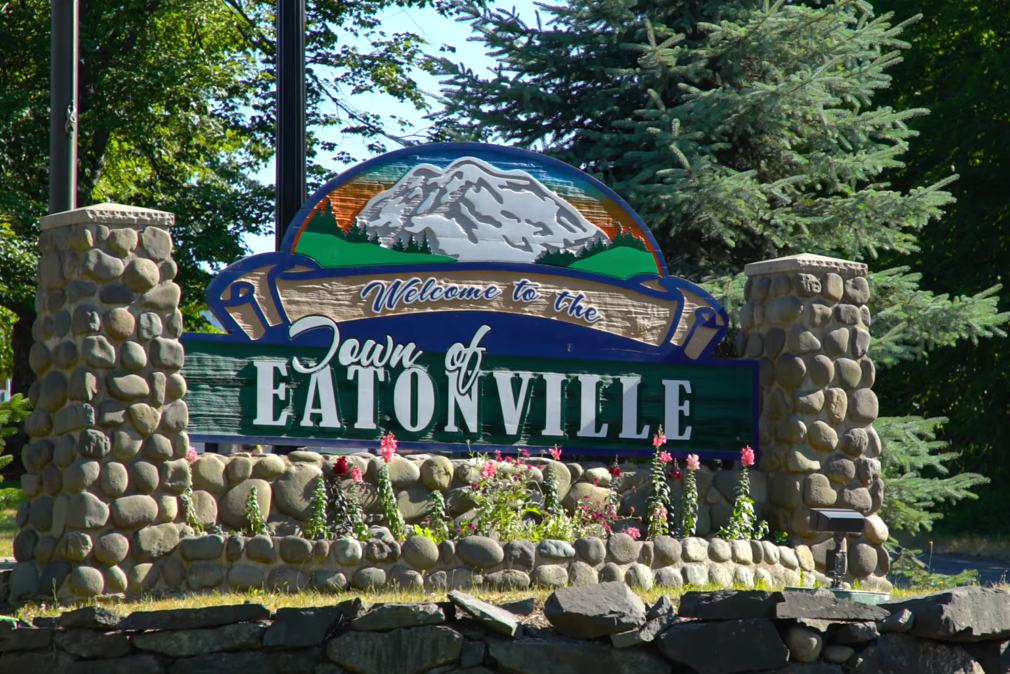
(340, 465)
(488, 469)
(659, 439)
(524, 453)
(633, 532)
(664, 457)
(693, 463)
(614, 471)
(356, 474)
(387, 447)
(497, 455)
(191, 454)
(676, 473)
(747, 456)
(555, 454)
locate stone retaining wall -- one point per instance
(603, 629)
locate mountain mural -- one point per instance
(472, 211)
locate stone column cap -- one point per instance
(107, 214)
(805, 262)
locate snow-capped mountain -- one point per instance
(472, 211)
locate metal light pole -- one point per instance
(63, 107)
(290, 159)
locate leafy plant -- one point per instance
(743, 523)
(658, 515)
(394, 518)
(906, 564)
(316, 527)
(439, 523)
(189, 512)
(256, 525)
(343, 510)
(689, 499)
(11, 498)
(12, 412)
(502, 498)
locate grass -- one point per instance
(8, 530)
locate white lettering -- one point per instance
(674, 407)
(306, 323)
(321, 387)
(588, 407)
(404, 399)
(512, 407)
(366, 393)
(629, 410)
(266, 392)
(555, 404)
(466, 403)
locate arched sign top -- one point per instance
(467, 293)
(473, 202)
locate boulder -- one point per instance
(969, 613)
(493, 617)
(902, 653)
(301, 627)
(823, 605)
(480, 551)
(705, 646)
(403, 651)
(194, 618)
(592, 611)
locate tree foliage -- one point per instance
(176, 111)
(740, 131)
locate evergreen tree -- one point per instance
(12, 411)
(412, 246)
(740, 131)
(398, 246)
(425, 244)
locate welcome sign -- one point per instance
(464, 295)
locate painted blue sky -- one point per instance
(437, 31)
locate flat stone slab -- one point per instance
(194, 618)
(301, 627)
(493, 617)
(823, 605)
(393, 616)
(405, 651)
(302, 661)
(593, 611)
(90, 618)
(962, 614)
(729, 604)
(725, 647)
(187, 643)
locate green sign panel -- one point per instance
(466, 295)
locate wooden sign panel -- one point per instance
(467, 292)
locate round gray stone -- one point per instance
(202, 548)
(175, 476)
(74, 546)
(141, 275)
(133, 512)
(269, 467)
(436, 473)
(209, 474)
(720, 576)
(669, 576)
(804, 644)
(80, 475)
(325, 580)
(24, 545)
(292, 491)
(369, 579)
(40, 513)
(65, 452)
(144, 476)
(53, 392)
(639, 577)
(623, 549)
(591, 549)
(509, 579)
(119, 323)
(611, 573)
(295, 550)
(157, 242)
(86, 581)
(403, 473)
(580, 573)
(519, 555)
(246, 577)
(346, 551)
(261, 549)
(132, 356)
(126, 442)
(555, 550)
(239, 469)
(420, 552)
(480, 551)
(719, 550)
(153, 542)
(694, 549)
(98, 352)
(550, 575)
(667, 550)
(85, 511)
(149, 326)
(231, 508)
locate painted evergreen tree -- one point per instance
(740, 130)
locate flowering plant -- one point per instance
(343, 510)
(743, 523)
(659, 501)
(191, 454)
(689, 499)
(555, 453)
(390, 510)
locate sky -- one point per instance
(436, 30)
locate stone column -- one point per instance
(806, 321)
(106, 462)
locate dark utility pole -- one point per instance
(63, 107)
(290, 159)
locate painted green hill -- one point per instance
(622, 262)
(332, 251)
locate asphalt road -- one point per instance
(989, 570)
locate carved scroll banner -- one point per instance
(465, 295)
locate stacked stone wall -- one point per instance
(106, 462)
(807, 323)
